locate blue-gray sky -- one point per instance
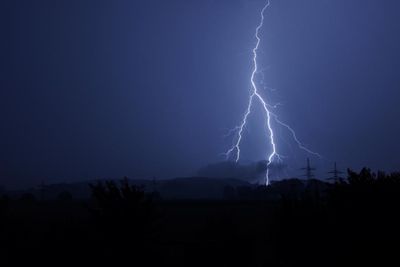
(149, 88)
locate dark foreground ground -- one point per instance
(352, 223)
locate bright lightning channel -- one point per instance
(234, 151)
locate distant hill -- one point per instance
(197, 187)
(177, 188)
(189, 188)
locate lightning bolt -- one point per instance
(234, 151)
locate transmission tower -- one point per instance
(309, 170)
(335, 173)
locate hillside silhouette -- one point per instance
(293, 222)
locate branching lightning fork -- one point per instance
(234, 151)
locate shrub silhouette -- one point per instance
(123, 211)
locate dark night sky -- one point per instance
(146, 88)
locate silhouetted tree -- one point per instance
(124, 215)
